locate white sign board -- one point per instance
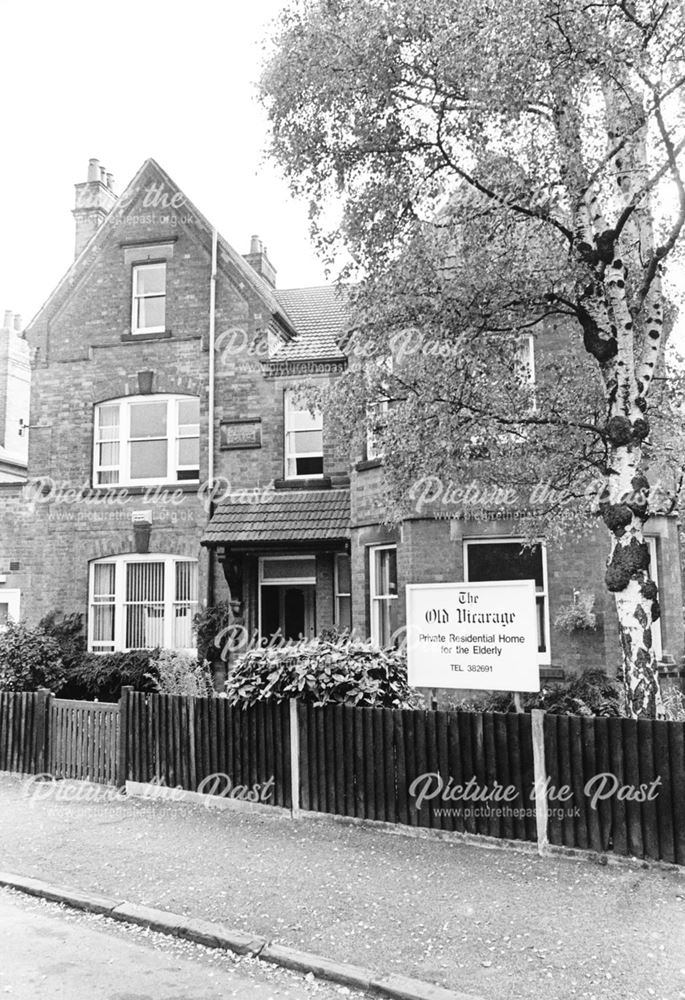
(473, 635)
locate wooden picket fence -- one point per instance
(605, 785)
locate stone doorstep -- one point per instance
(213, 935)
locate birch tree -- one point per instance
(502, 167)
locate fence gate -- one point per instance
(84, 740)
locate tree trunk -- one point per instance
(624, 510)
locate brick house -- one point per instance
(15, 380)
(164, 360)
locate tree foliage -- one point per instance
(503, 169)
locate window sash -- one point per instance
(303, 440)
(140, 297)
(114, 466)
(657, 634)
(376, 421)
(342, 586)
(148, 601)
(382, 570)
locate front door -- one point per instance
(290, 610)
(287, 596)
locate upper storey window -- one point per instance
(144, 440)
(149, 298)
(303, 439)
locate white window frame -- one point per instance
(374, 449)
(657, 632)
(545, 657)
(525, 350)
(375, 600)
(173, 436)
(119, 603)
(337, 592)
(297, 419)
(526, 358)
(12, 598)
(135, 297)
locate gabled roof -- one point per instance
(315, 320)
(281, 516)
(320, 316)
(152, 169)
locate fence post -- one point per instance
(42, 733)
(122, 756)
(540, 772)
(294, 759)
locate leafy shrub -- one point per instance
(102, 675)
(29, 659)
(674, 705)
(207, 624)
(591, 693)
(579, 616)
(178, 673)
(68, 633)
(322, 672)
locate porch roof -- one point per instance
(293, 517)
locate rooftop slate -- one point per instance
(281, 516)
(320, 317)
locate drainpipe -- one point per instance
(210, 407)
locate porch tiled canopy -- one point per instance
(311, 518)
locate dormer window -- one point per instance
(149, 298)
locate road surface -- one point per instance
(48, 952)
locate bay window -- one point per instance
(141, 602)
(143, 440)
(493, 559)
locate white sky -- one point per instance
(123, 81)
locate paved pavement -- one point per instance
(50, 953)
(492, 923)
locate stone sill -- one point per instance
(313, 483)
(129, 338)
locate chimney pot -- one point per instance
(7, 321)
(103, 175)
(255, 245)
(93, 170)
(110, 181)
(17, 322)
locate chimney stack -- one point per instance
(258, 260)
(94, 200)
